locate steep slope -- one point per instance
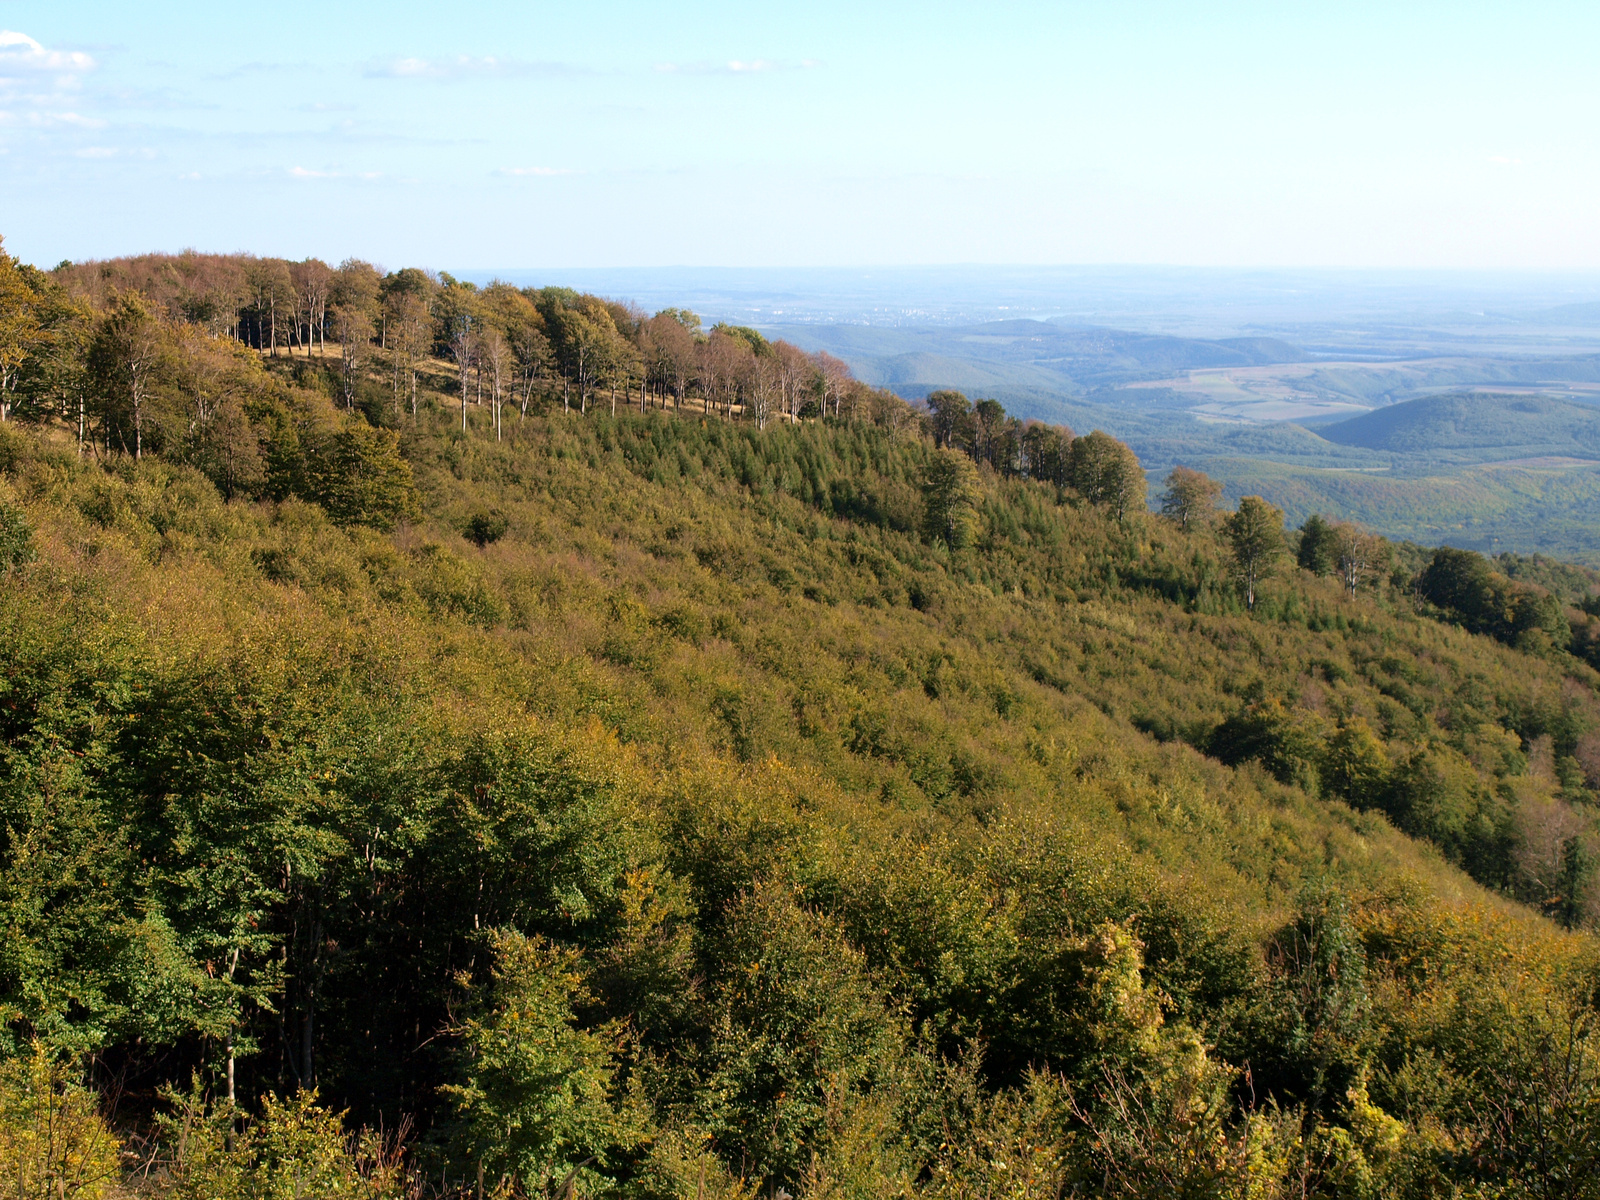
(852, 831)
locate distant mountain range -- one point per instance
(1036, 367)
(1040, 355)
(1570, 314)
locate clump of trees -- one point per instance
(1462, 584)
(1343, 549)
(1098, 467)
(93, 332)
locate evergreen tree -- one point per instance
(1316, 552)
(360, 477)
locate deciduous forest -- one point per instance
(471, 741)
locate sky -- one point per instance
(486, 135)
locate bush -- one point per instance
(535, 1100)
(16, 538)
(296, 1148)
(53, 1143)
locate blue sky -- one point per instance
(516, 135)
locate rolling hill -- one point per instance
(1475, 427)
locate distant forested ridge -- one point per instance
(1470, 424)
(470, 741)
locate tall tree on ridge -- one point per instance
(353, 300)
(1191, 497)
(795, 369)
(19, 328)
(672, 338)
(271, 290)
(495, 356)
(836, 377)
(1106, 471)
(949, 414)
(988, 423)
(313, 279)
(411, 332)
(1255, 534)
(123, 359)
(1356, 554)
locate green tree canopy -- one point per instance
(950, 499)
(360, 477)
(1191, 497)
(536, 1098)
(950, 413)
(1255, 537)
(1107, 472)
(1316, 552)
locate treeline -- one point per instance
(100, 342)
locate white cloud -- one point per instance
(463, 66)
(738, 66)
(308, 173)
(18, 51)
(538, 171)
(51, 120)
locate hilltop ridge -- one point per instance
(1459, 424)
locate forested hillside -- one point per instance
(481, 741)
(1475, 427)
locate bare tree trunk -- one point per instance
(233, 966)
(308, 1026)
(138, 417)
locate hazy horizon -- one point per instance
(1486, 307)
